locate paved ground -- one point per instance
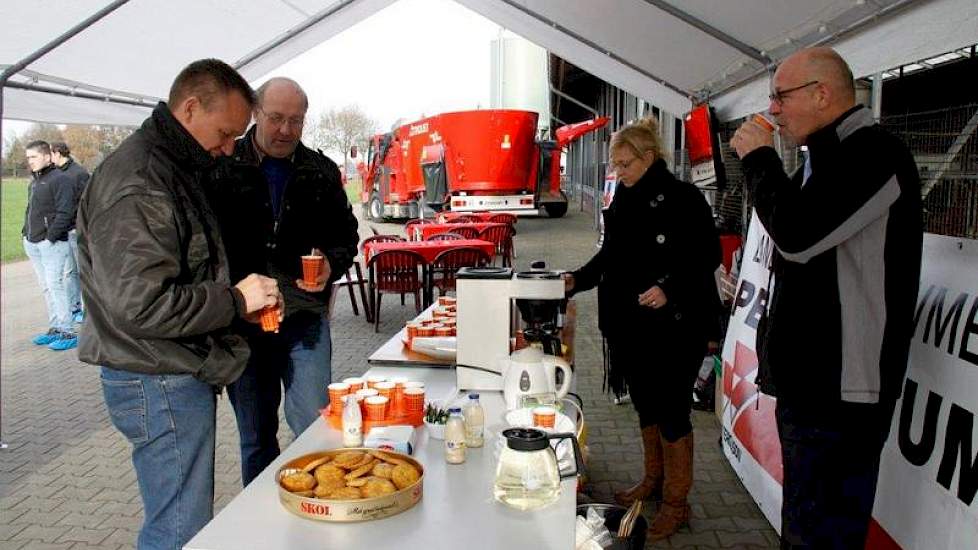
(66, 480)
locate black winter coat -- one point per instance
(50, 206)
(314, 213)
(79, 179)
(153, 271)
(658, 232)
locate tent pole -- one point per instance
(14, 69)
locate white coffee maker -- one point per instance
(486, 318)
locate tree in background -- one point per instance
(337, 130)
(88, 144)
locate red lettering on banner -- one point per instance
(753, 412)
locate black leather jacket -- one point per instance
(314, 213)
(153, 270)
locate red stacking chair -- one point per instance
(395, 272)
(464, 219)
(381, 239)
(446, 265)
(353, 277)
(411, 224)
(466, 232)
(445, 237)
(502, 237)
(503, 217)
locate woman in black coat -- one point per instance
(658, 307)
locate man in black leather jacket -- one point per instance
(278, 200)
(156, 284)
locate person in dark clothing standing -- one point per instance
(848, 235)
(61, 157)
(159, 296)
(278, 200)
(50, 209)
(657, 307)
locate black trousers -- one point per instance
(831, 457)
(660, 373)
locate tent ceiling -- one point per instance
(665, 51)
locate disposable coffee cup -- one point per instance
(337, 391)
(544, 417)
(764, 122)
(376, 407)
(311, 266)
(269, 319)
(355, 383)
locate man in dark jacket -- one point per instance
(50, 203)
(847, 232)
(159, 298)
(277, 200)
(61, 157)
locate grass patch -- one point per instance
(14, 204)
(352, 189)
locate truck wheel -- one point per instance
(376, 208)
(555, 209)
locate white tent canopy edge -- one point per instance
(589, 37)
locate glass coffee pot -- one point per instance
(527, 475)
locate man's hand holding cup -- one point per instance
(259, 293)
(757, 132)
(315, 272)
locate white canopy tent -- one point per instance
(669, 52)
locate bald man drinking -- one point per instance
(847, 233)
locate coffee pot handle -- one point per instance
(578, 458)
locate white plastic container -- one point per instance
(475, 422)
(352, 423)
(455, 437)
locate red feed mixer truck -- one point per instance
(467, 161)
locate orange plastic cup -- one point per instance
(544, 417)
(375, 379)
(356, 383)
(764, 122)
(376, 407)
(269, 319)
(413, 400)
(311, 266)
(386, 389)
(337, 391)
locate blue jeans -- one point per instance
(72, 285)
(49, 261)
(298, 358)
(169, 420)
(831, 458)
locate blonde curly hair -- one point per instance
(640, 137)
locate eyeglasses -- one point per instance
(622, 165)
(777, 96)
(278, 119)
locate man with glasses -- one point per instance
(846, 266)
(278, 200)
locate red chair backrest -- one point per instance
(503, 218)
(380, 239)
(464, 219)
(397, 270)
(501, 236)
(446, 264)
(445, 237)
(466, 232)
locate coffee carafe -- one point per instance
(527, 475)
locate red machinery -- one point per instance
(468, 161)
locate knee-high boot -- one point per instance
(674, 512)
(650, 486)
